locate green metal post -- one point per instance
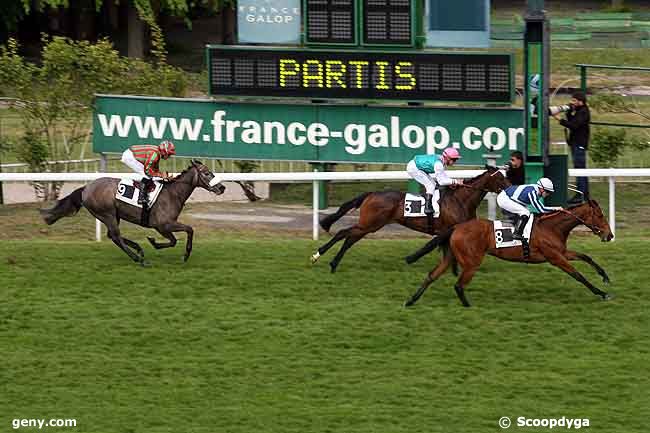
(413, 187)
(420, 36)
(583, 78)
(323, 202)
(536, 62)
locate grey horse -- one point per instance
(99, 199)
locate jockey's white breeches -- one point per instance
(132, 163)
(430, 185)
(508, 204)
(421, 177)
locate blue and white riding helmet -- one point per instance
(546, 184)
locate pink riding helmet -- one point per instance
(451, 153)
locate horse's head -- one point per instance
(593, 217)
(492, 180)
(206, 179)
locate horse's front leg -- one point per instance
(160, 245)
(178, 227)
(574, 255)
(558, 260)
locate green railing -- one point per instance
(583, 85)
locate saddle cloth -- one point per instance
(503, 233)
(414, 206)
(128, 191)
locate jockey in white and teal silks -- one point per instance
(429, 170)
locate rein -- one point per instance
(475, 187)
(178, 178)
(594, 230)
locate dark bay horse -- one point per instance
(378, 209)
(469, 242)
(99, 199)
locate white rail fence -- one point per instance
(610, 173)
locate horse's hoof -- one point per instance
(607, 296)
(145, 264)
(332, 268)
(409, 303)
(314, 258)
(186, 257)
(606, 279)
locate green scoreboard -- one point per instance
(360, 22)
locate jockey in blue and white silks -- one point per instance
(429, 170)
(516, 199)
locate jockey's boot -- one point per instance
(143, 199)
(519, 228)
(428, 204)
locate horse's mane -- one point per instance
(590, 202)
(447, 191)
(475, 178)
(179, 175)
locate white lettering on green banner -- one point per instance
(308, 132)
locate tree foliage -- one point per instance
(12, 11)
(608, 144)
(55, 98)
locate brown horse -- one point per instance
(467, 243)
(378, 209)
(98, 198)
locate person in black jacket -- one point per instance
(577, 122)
(515, 173)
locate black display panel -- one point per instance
(330, 21)
(332, 74)
(387, 22)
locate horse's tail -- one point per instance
(440, 240)
(67, 206)
(327, 222)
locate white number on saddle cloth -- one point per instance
(129, 193)
(503, 231)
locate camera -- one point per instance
(556, 109)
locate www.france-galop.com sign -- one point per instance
(308, 132)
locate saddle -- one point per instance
(128, 192)
(414, 206)
(503, 231)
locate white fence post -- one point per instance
(612, 205)
(491, 160)
(315, 187)
(103, 166)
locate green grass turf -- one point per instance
(248, 337)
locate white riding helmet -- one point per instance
(546, 184)
(533, 85)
